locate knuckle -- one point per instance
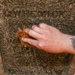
(44, 37)
(33, 27)
(41, 24)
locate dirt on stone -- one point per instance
(22, 34)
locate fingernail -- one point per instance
(23, 39)
(26, 30)
(33, 26)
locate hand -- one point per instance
(47, 38)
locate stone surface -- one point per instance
(18, 60)
(72, 67)
(1, 67)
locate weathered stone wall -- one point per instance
(31, 61)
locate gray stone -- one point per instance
(31, 61)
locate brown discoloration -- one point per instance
(22, 34)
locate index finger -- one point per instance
(33, 33)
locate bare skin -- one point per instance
(50, 39)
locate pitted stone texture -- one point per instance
(31, 61)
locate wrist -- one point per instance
(68, 45)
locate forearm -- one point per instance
(70, 48)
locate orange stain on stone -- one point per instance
(22, 34)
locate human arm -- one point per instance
(50, 39)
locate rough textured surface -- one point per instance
(72, 67)
(1, 68)
(18, 60)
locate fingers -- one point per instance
(31, 42)
(37, 32)
(43, 26)
(33, 34)
(37, 29)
